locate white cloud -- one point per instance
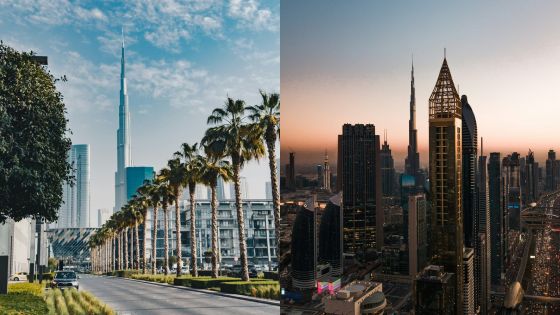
(93, 14)
(249, 14)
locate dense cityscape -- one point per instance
(474, 233)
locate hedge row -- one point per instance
(205, 283)
(258, 288)
(154, 278)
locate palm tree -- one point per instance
(240, 141)
(166, 199)
(155, 201)
(175, 176)
(213, 169)
(137, 217)
(143, 201)
(267, 117)
(192, 176)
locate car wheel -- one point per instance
(16, 279)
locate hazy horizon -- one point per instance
(341, 64)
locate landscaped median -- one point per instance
(32, 298)
(260, 288)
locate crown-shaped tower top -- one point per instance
(445, 101)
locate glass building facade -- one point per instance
(135, 177)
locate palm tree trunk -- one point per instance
(271, 143)
(178, 233)
(214, 233)
(131, 248)
(240, 220)
(113, 253)
(125, 248)
(194, 271)
(165, 242)
(137, 246)
(144, 238)
(120, 251)
(154, 240)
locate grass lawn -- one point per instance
(22, 303)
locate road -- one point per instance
(128, 297)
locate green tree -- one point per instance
(212, 170)
(267, 117)
(239, 140)
(192, 164)
(33, 141)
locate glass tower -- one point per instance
(446, 179)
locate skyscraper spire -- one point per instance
(123, 138)
(412, 161)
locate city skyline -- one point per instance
(369, 69)
(179, 67)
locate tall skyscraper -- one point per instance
(304, 246)
(291, 172)
(330, 240)
(387, 169)
(360, 173)
(531, 184)
(470, 149)
(468, 285)
(551, 164)
(75, 211)
(412, 161)
(326, 173)
(135, 177)
(495, 191)
(512, 191)
(123, 140)
(417, 240)
(446, 179)
(435, 292)
(482, 241)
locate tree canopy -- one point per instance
(33, 141)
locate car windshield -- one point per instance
(65, 275)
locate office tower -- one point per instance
(102, 216)
(387, 169)
(360, 173)
(470, 149)
(482, 241)
(495, 191)
(468, 285)
(445, 179)
(291, 172)
(512, 191)
(268, 190)
(320, 174)
(435, 292)
(135, 178)
(551, 183)
(330, 240)
(531, 184)
(75, 211)
(326, 173)
(123, 140)
(412, 161)
(244, 186)
(304, 236)
(417, 240)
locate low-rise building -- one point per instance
(356, 298)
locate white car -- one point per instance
(18, 276)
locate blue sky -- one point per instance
(183, 59)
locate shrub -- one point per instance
(273, 275)
(154, 278)
(60, 303)
(126, 273)
(246, 287)
(26, 288)
(95, 303)
(203, 283)
(23, 298)
(73, 307)
(185, 281)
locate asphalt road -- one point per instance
(131, 297)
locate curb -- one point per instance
(228, 295)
